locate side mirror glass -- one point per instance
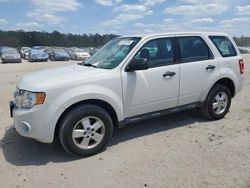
(137, 64)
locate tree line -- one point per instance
(35, 38)
(242, 41)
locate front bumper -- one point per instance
(40, 59)
(38, 122)
(56, 58)
(5, 60)
(81, 57)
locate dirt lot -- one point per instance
(181, 150)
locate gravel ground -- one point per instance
(180, 150)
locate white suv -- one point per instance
(131, 78)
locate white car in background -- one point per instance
(25, 52)
(79, 54)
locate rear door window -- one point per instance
(224, 45)
(193, 48)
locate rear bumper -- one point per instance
(239, 88)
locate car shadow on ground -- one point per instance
(22, 151)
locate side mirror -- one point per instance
(137, 64)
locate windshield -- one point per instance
(113, 53)
(37, 52)
(26, 50)
(60, 50)
(79, 50)
(9, 51)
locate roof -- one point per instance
(174, 33)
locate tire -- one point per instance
(217, 103)
(84, 142)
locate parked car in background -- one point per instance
(48, 50)
(38, 55)
(70, 50)
(79, 54)
(38, 47)
(244, 50)
(59, 54)
(93, 50)
(10, 55)
(25, 52)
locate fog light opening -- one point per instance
(26, 128)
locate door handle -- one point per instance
(168, 74)
(210, 67)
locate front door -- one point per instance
(156, 88)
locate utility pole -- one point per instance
(78, 28)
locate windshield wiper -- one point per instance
(87, 64)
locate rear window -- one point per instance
(224, 45)
(193, 49)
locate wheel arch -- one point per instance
(228, 83)
(98, 102)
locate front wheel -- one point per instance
(85, 130)
(218, 102)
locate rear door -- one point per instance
(197, 68)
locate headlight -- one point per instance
(27, 99)
(3, 56)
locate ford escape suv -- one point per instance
(130, 79)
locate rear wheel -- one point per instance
(85, 130)
(218, 102)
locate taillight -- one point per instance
(241, 64)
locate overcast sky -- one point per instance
(126, 16)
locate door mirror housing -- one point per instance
(137, 64)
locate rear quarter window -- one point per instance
(224, 46)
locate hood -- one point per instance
(16, 55)
(59, 77)
(39, 54)
(82, 53)
(62, 54)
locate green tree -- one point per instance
(34, 38)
